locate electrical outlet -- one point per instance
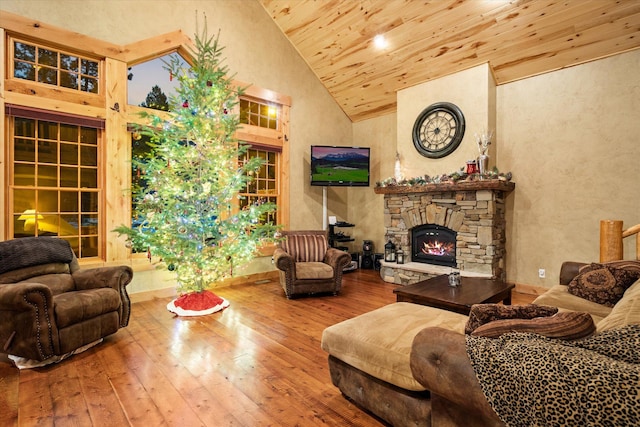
(541, 273)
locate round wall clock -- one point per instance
(438, 130)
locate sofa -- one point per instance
(51, 308)
(410, 365)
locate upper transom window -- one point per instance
(259, 114)
(151, 85)
(54, 67)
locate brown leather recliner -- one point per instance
(49, 307)
(308, 265)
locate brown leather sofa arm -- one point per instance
(282, 260)
(569, 270)
(117, 278)
(103, 277)
(337, 258)
(27, 324)
(439, 362)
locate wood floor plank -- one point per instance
(257, 363)
(189, 383)
(69, 405)
(9, 400)
(102, 403)
(121, 361)
(203, 361)
(36, 405)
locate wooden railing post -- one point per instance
(611, 248)
(630, 232)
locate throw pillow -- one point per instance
(567, 325)
(632, 265)
(485, 313)
(602, 283)
(625, 312)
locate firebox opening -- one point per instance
(433, 244)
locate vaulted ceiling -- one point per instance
(430, 39)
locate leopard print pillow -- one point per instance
(485, 313)
(602, 284)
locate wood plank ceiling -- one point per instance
(430, 39)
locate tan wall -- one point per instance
(473, 91)
(571, 138)
(366, 209)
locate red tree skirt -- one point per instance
(197, 304)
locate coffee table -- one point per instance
(436, 292)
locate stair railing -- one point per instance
(611, 240)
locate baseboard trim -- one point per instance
(154, 294)
(170, 292)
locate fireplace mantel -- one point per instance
(488, 184)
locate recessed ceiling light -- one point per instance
(380, 41)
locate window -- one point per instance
(258, 114)
(139, 150)
(54, 180)
(50, 66)
(264, 187)
(150, 84)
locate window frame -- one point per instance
(273, 139)
(45, 90)
(59, 120)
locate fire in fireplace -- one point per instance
(433, 244)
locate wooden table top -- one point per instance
(436, 292)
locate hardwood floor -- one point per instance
(257, 363)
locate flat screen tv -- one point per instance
(340, 166)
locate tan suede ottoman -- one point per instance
(369, 359)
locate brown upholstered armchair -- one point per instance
(308, 265)
(49, 307)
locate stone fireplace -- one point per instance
(429, 221)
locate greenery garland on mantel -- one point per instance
(458, 177)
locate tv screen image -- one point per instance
(340, 166)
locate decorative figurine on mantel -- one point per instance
(484, 140)
(397, 172)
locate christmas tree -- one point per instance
(186, 201)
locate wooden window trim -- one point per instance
(53, 116)
(44, 90)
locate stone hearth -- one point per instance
(474, 209)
